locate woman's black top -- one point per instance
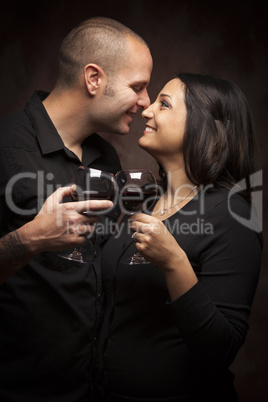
(151, 349)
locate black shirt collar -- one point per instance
(47, 135)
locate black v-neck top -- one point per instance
(151, 349)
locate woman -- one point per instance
(172, 327)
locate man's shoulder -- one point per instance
(14, 126)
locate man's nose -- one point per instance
(144, 100)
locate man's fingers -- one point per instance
(89, 205)
(60, 194)
(79, 206)
(51, 203)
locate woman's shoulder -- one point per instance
(210, 200)
(230, 209)
(224, 199)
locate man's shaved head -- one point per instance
(97, 40)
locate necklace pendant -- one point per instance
(162, 212)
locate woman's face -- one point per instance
(166, 119)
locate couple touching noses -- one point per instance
(164, 331)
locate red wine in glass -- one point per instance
(90, 184)
(137, 193)
(92, 195)
(136, 200)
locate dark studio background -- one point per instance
(228, 39)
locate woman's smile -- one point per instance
(149, 129)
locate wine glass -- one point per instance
(90, 184)
(137, 193)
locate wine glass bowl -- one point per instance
(90, 184)
(93, 184)
(138, 190)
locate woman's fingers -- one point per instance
(149, 228)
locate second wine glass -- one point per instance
(137, 193)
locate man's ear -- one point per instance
(93, 76)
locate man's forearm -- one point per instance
(13, 255)
(55, 227)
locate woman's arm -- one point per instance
(158, 245)
(211, 311)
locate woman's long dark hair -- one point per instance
(218, 138)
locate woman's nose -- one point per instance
(148, 113)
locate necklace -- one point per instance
(166, 209)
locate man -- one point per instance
(50, 307)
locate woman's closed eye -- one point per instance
(164, 103)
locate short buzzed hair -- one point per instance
(98, 40)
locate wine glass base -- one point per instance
(74, 256)
(137, 258)
(82, 254)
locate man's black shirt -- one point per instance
(51, 308)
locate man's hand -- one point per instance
(57, 226)
(61, 225)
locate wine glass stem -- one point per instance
(76, 253)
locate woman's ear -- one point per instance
(93, 76)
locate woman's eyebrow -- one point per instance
(166, 95)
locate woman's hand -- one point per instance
(154, 241)
(157, 245)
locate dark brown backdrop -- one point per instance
(227, 39)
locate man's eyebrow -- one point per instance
(140, 83)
